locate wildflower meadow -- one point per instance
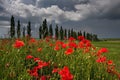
(49, 59)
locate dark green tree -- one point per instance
(80, 33)
(44, 28)
(23, 32)
(56, 32)
(47, 33)
(50, 30)
(61, 33)
(12, 27)
(40, 32)
(18, 29)
(69, 34)
(65, 33)
(29, 29)
(95, 38)
(72, 32)
(88, 36)
(91, 36)
(84, 34)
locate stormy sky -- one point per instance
(101, 17)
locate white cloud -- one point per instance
(94, 8)
(53, 12)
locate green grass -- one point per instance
(83, 66)
(114, 50)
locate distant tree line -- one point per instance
(45, 30)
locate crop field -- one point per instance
(114, 50)
(49, 59)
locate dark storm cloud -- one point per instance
(113, 13)
(91, 15)
(1, 8)
(63, 4)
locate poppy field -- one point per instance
(49, 59)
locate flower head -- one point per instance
(39, 49)
(101, 59)
(18, 44)
(69, 51)
(29, 57)
(65, 74)
(109, 62)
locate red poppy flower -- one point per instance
(34, 72)
(32, 40)
(56, 48)
(102, 50)
(80, 38)
(36, 59)
(72, 45)
(65, 74)
(42, 64)
(64, 45)
(55, 70)
(109, 62)
(69, 51)
(50, 44)
(101, 59)
(29, 57)
(71, 39)
(81, 44)
(88, 44)
(39, 49)
(18, 44)
(43, 78)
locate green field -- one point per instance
(114, 50)
(31, 59)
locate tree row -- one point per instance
(44, 30)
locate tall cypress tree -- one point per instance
(23, 31)
(72, 33)
(88, 36)
(84, 34)
(29, 29)
(12, 27)
(18, 29)
(40, 32)
(46, 34)
(45, 28)
(65, 33)
(50, 30)
(56, 32)
(69, 35)
(95, 38)
(61, 33)
(80, 33)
